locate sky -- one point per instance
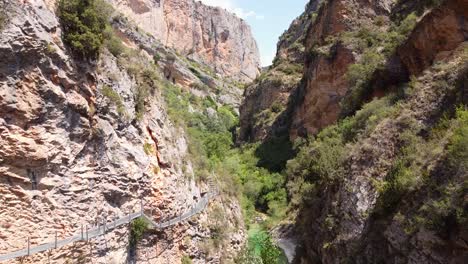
(268, 19)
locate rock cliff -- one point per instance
(210, 35)
(80, 145)
(267, 102)
(376, 109)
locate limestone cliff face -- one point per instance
(325, 81)
(347, 216)
(345, 222)
(72, 156)
(269, 100)
(210, 35)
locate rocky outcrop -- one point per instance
(71, 155)
(268, 102)
(325, 72)
(210, 35)
(346, 222)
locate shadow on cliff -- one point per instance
(277, 148)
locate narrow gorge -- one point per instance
(146, 131)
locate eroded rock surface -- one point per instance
(208, 34)
(69, 157)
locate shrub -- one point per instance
(3, 18)
(114, 98)
(186, 260)
(290, 68)
(148, 148)
(140, 97)
(458, 145)
(113, 42)
(358, 76)
(83, 23)
(261, 245)
(318, 163)
(156, 58)
(274, 152)
(277, 107)
(137, 229)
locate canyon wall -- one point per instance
(373, 179)
(210, 35)
(75, 152)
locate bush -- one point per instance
(277, 107)
(148, 148)
(290, 68)
(370, 41)
(83, 23)
(156, 58)
(186, 260)
(3, 17)
(261, 248)
(113, 42)
(458, 145)
(114, 98)
(358, 76)
(137, 229)
(274, 153)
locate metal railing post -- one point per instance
(82, 234)
(55, 239)
(29, 245)
(87, 235)
(141, 207)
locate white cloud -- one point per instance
(231, 6)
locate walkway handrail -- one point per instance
(85, 234)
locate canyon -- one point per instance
(350, 148)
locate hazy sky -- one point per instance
(268, 19)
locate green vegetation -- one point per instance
(4, 14)
(84, 23)
(137, 229)
(146, 74)
(186, 260)
(261, 249)
(320, 160)
(156, 58)
(445, 207)
(148, 148)
(458, 145)
(114, 98)
(113, 43)
(50, 49)
(3, 17)
(290, 68)
(375, 45)
(212, 151)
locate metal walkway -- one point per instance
(85, 234)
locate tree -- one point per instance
(84, 23)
